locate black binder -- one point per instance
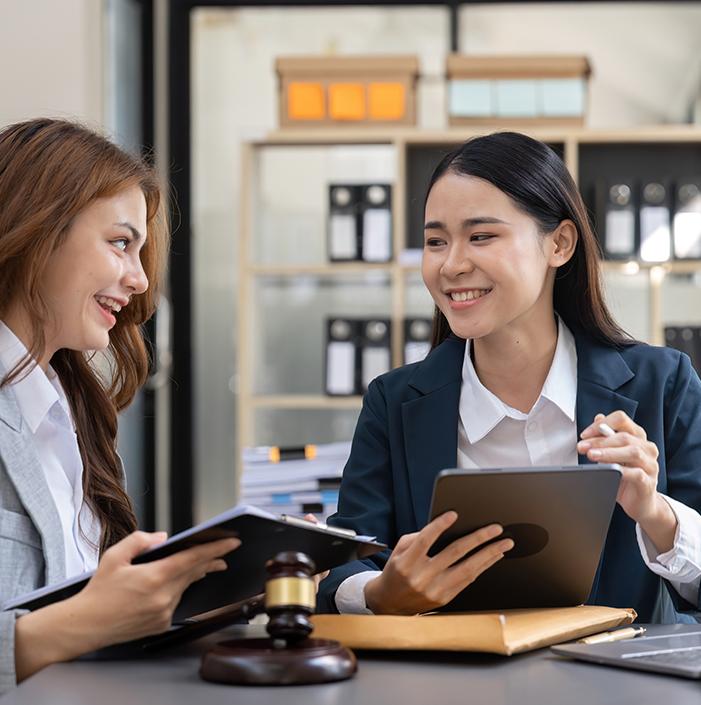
(262, 535)
(344, 236)
(616, 216)
(376, 226)
(655, 221)
(376, 356)
(417, 339)
(686, 339)
(341, 357)
(686, 228)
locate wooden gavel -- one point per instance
(289, 656)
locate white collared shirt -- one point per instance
(46, 412)
(493, 434)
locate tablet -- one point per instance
(558, 518)
(263, 536)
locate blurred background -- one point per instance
(296, 139)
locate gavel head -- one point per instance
(290, 596)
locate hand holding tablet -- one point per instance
(413, 581)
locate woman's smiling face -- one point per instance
(95, 271)
(484, 262)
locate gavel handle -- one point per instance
(201, 625)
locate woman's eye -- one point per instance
(434, 242)
(121, 243)
(480, 237)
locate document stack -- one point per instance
(295, 481)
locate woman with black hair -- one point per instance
(526, 362)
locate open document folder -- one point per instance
(263, 535)
(504, 632)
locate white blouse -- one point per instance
(45, 410)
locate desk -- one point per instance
(536, 678)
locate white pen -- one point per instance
(617, 635)
(606, 430)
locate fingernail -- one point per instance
(594, 453)
(497, 529)
(584, 445)
(508, 545)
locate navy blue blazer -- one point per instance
(407, 433)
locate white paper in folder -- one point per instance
(377, 231)
(340, 367)
(655, 242)
(376, 361)
(342, 237)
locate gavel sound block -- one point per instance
(289, 656)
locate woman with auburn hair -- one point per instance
(83, 248)
(526, 363)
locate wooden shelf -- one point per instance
(418, 136)
(579, 144)
(327, 270)
(305, 401)
(672, 266)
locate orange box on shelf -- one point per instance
(347, 90)
(306, 101)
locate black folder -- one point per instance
(262, 535)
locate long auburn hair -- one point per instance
(50, 171)
(537, 181)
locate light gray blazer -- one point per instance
(31, 539)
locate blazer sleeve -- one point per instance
(682, 420)
(8, 676)
(366, 497)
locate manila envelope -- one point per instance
(506, 632)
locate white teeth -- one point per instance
(111, 303)
(468, 295)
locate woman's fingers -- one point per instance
(619, 421)
(459, 548)
(457, 578)
(633, 455)
(424, 539)
(196, 557)
(124, 551)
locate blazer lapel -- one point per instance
(430, 422)
(26, 474)
(601, 371)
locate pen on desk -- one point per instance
(617, 635)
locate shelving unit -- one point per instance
(408, 147)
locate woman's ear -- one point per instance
(564, 240)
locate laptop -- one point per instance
(558, 518)
(672, 649)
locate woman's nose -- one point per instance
(457, 262)
(135, 278)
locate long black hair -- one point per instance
(534, 177)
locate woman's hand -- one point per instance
(412, 582)
(637, 494)
(121, 602)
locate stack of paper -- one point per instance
(297, 486)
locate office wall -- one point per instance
(79, 59)
(645, 56)
(51, 58)
(646, 64)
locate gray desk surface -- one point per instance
(534, 678)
